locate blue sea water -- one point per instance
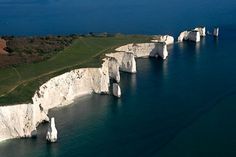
(183, 106)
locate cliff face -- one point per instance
(193, 35)
(189, 35)
(146, 49)
(113, 68)
(20, 120)
(201, 30)
(125, 60)
(63, 89)
(164, 39)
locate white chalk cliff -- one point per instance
(51, 135)
(114, 67)
(201, 30)
(193, 35)
(19, 121)
(126, 61)
(146, 49)
(63, 89)
(189, 35)
(163, 38)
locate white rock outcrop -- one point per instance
(63, 89)
(114, 68)
(125, 60)
(145, 49)
(189, 35)
(216, 32)
(201, 30)
(52, 131)
(163, 38)
(20, 120)
(116, 90)
(161, 50)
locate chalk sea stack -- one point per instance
(116, 90)
(216, 32)
(52, 131)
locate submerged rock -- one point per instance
(52, 131)
(116, 90)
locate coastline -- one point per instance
(63, 89)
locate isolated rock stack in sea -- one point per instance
(216, 32)
(116, 90)
(52, 131)
(192, 35)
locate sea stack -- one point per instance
(52, 131)
(193, 35)
(160, 50)
(201, 30)
(216, 32)
(116, 90)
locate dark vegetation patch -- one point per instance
(32, 49)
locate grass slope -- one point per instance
(18, 84)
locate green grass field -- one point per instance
(18, 84)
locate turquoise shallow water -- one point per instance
(184, 106)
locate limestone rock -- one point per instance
(63, 89)
(161, 50)
(125, 60)
(194, 36)
(116, 90)
(216, 32)
(144, 49)
(52, 131)
(189, 35)
(19, 121)
(163, 38)
(114, 66)
(183, 36)
(201, 30)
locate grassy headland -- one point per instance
(19, 83)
